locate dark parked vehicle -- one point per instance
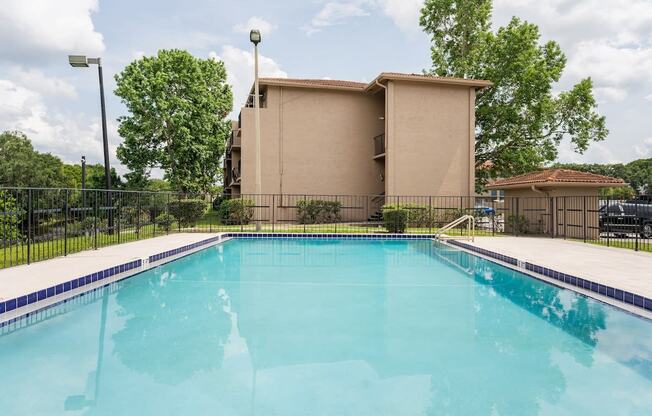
(626, 218)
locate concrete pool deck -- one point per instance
(617, 267)
(21, 280)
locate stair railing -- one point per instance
(470, 228)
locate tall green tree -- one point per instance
(177, 106)
(21, 165)
(521, 119)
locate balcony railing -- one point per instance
(379, 146)
(235, 176)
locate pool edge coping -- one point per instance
(564, 280)
(22, 306)
(32, 303)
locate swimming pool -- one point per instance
(329, 327)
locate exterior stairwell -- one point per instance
(376, 217)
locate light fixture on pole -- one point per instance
(81, 61)
(255, 38)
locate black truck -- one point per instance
(624, 218)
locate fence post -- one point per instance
(493, 216)
(95, 214)
(138, 216)
(179, 209)
(29, 226)
(273, 209)
(65, 225)
(167, 215)
(565, 201)
(430, 219)
(606, 220)
(584, 217)
(636, 225)
(119, 212)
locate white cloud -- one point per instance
(64, 135)
(609, 64)
(335, 13)
(598, 153)
(37, 81)
(610, 94)
(648, 97)
(240, 68)
(255, 22)
(404, 13)
(645, 148)
(43, 30)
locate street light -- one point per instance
(255, 38)
(81, 61)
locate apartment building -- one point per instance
(400, 134)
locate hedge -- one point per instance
(395, 219)
(165, 221)
(317, 211)
(236, 211)
(425, 216)
(188, 211)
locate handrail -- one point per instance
(470, 227)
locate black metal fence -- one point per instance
(38, 224)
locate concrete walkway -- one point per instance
(616, 267)
(21, 280)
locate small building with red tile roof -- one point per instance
(556, 178)
(560, 202)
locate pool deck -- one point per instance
(619, 268)
(24, 279)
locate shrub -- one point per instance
(10, 218)
(395, 219)
(165, 221)
(420, 216)
(217, 202)
(87, 225)
(316, 211)
(133, 216)
(188, 211)
(236, 211)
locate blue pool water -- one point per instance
(329, 327)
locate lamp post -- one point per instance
(83, 180)
(255, 38)
(81, 61)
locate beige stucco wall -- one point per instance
(430, 139)
(562, 211)
(314, 141)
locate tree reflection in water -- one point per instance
(148, 345)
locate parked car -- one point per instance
(626, 218)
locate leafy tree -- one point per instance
(21, 165)
(94, 177)
(519, 120)
(178, 106)
(638, 173)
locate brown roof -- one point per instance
(559, 177)
(361, 86)
(314, 83)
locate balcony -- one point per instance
(235, 177)
(379, 146)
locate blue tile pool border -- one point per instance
(619, 295)
(137, 265)
(10, 305)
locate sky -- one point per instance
(57, 106)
